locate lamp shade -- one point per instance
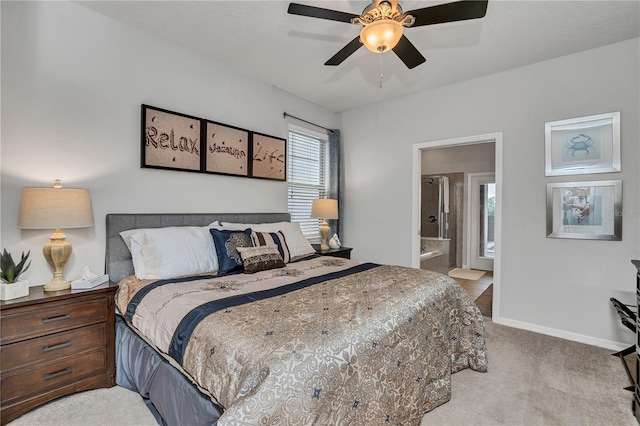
(55, 208)
(324, 208)
(380, 36)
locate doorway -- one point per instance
(481, 220)
(495, 191)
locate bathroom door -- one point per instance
(482, 220)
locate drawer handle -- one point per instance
(58, 346)
(54, 319)
(64, 372)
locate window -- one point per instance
(307, 178)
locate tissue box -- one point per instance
(84, 284)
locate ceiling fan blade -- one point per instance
(449, 12)
(345, 52)
(318, 12)
(408, 53)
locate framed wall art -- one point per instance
(585, 210)
(268, 157)
(170, 140)
(226, 149)
(583, 145)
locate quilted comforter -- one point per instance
(321, 341)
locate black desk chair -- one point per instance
(629, 319)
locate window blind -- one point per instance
(307, 179)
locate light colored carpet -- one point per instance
(466, 274)
(114, 406)
(533, 379)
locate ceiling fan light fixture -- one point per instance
(382, 35)
(382, 24)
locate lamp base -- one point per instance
(57, 285)
(324, 233)
(57, 252)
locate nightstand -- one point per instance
(53, 344)
(344, 252)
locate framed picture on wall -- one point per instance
(583, 145)
(170, 140)
(585, 210)
(268, 157)
(226, 149)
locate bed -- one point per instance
(313, 340)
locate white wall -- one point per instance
(556, 286)
(72, 85)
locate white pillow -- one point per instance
(296, 241)
(126, 235)
(173, 251)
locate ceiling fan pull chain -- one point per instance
(381, 71)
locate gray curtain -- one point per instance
(336, 179)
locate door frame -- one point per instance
(472, 217)
(417, 149)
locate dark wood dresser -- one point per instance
(636, 401)
(53, 344)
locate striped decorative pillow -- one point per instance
(260, 239)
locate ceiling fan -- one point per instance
(383, 21)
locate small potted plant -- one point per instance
(11, 287)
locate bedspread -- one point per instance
(321, 341)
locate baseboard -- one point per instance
(575, 337)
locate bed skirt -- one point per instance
(169, 395)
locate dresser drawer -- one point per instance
(52, 347)
(52, 375)
(53, 344)
(37, 322)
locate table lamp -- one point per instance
(324, 208)
(55, 208)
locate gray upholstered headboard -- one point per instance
(118, 262)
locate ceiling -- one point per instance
(260, 39)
